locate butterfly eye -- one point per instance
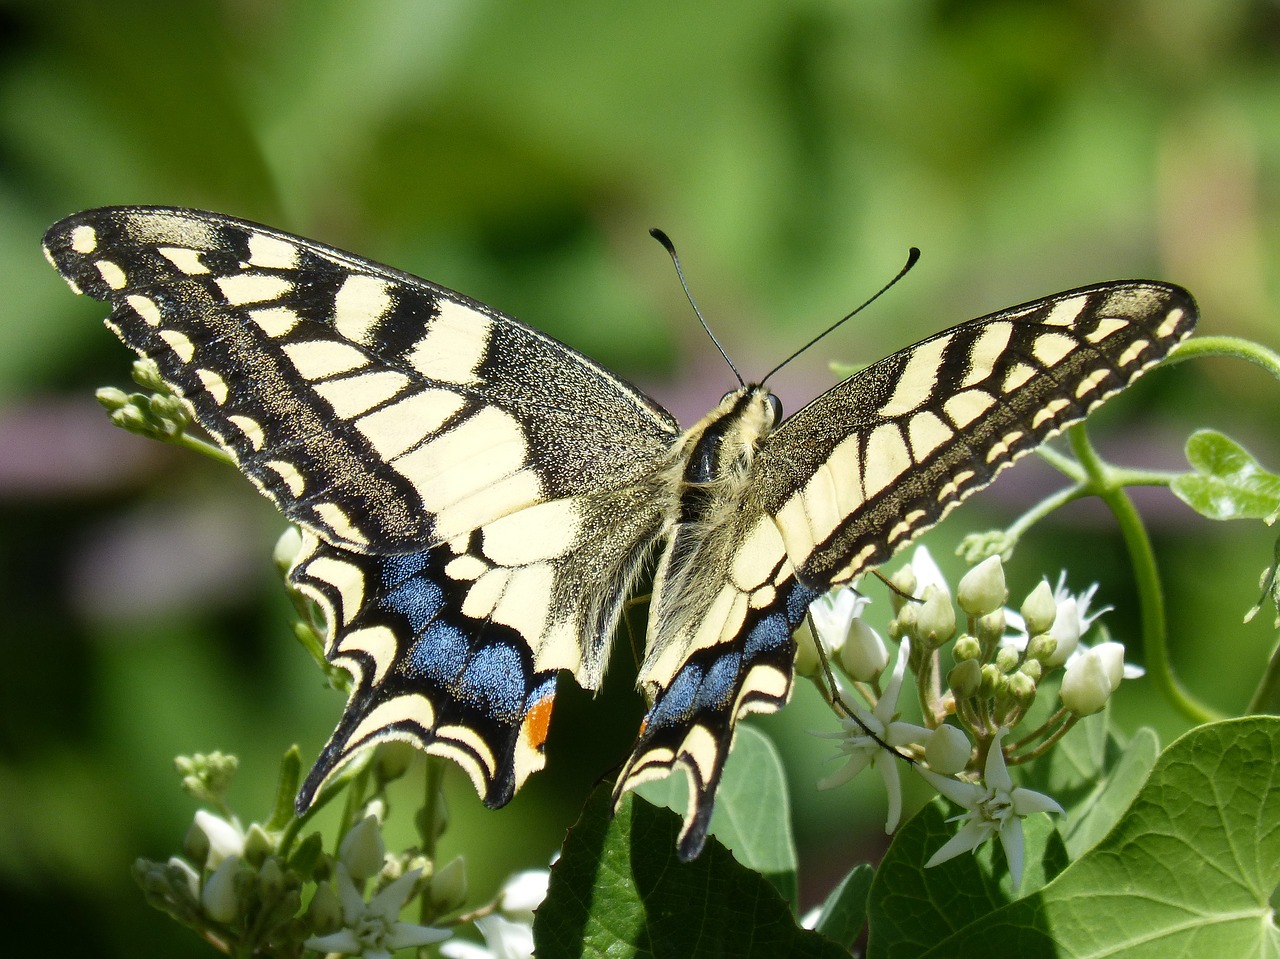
(775, 404)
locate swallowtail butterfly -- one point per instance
(477, 499)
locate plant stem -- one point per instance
(1147, 579)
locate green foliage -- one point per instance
(1227, 483)
(619, 890)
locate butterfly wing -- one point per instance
(853, 477)
(474, 492)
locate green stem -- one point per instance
(1266, 699)
(1147, 578)
(1228, 346)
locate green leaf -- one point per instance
(752, 817)
(845, 911)
(286, 789)
(1091, 819)
(911, 909)
(1227, 483)
(618, 889)
(1188, 870)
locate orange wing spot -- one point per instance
(537, 721)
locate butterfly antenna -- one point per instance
(912, 257)
(671, 251)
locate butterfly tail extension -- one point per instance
(691, 722)
(423, 672)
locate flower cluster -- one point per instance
(999, 661)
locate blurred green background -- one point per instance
(519, 152)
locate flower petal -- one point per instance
(996, 774)
(1026, 802)
(971, 835)
(1012, 840)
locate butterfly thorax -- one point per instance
(711, 472)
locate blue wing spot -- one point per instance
(439, 654)
(675, 704)
(540, 692)
(798, 601)
(496, 678)
(716, 689)
(415, 597)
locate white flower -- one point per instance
(982, 590)
(833, 614)
(372, 929)
(523, 893)
(995, 808)
(863, 750)
(1072, 620)
(927, 572)
(362, 850)
(226, 838)
(503, 939)
(1092, 677)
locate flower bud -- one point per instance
(966, 647)
(992, 680)
(948, 750)
(218, 897)
(904, 581)
(523, 893)
(1039, 609)
(965, 678)
(982, 590)
(195, 844)
(111, 399)
(362, 849)
(1022, 688)
(258, 845)
(449, 885)
(1007, 659)
(1111, 655)
(270, 880)
(936, 621)
(1066, 630)
(990, 628)
(146, 373)
(287, 548)
(1033, 669)
(863, 656)
(1085, 685)
(181, 876)
(906, 622)
(324, 913)
(1041, 649)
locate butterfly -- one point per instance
(478, 500)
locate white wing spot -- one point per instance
(1170, 324)
(84, 239)
(145, 307)
(1092, 382)
(242, 288)
(926, 433)
(405, 423)
(986, 350)
(187, 261)
(844, 466)
(111, 274)
(288, 474)
(758, 555)
(214, 385)
(473, 454)
(179, 343)
(484, 595)
(360, 304)
(320, 359)
(466, 568)
(1066, 312)
(541, 532)
(1018, 375)
(350, 396)
(376, 642)
(1107, 325)
(887, 458)
(454, 346)
(349, 582)
(334, 518)
(1135, 350)
(272, 252)
(1050, 411)
(1051, 348)
(526, 602)
(918, 379)
(965, 407)
(275, 321)
(251, 429)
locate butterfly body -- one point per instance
(478, 500)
